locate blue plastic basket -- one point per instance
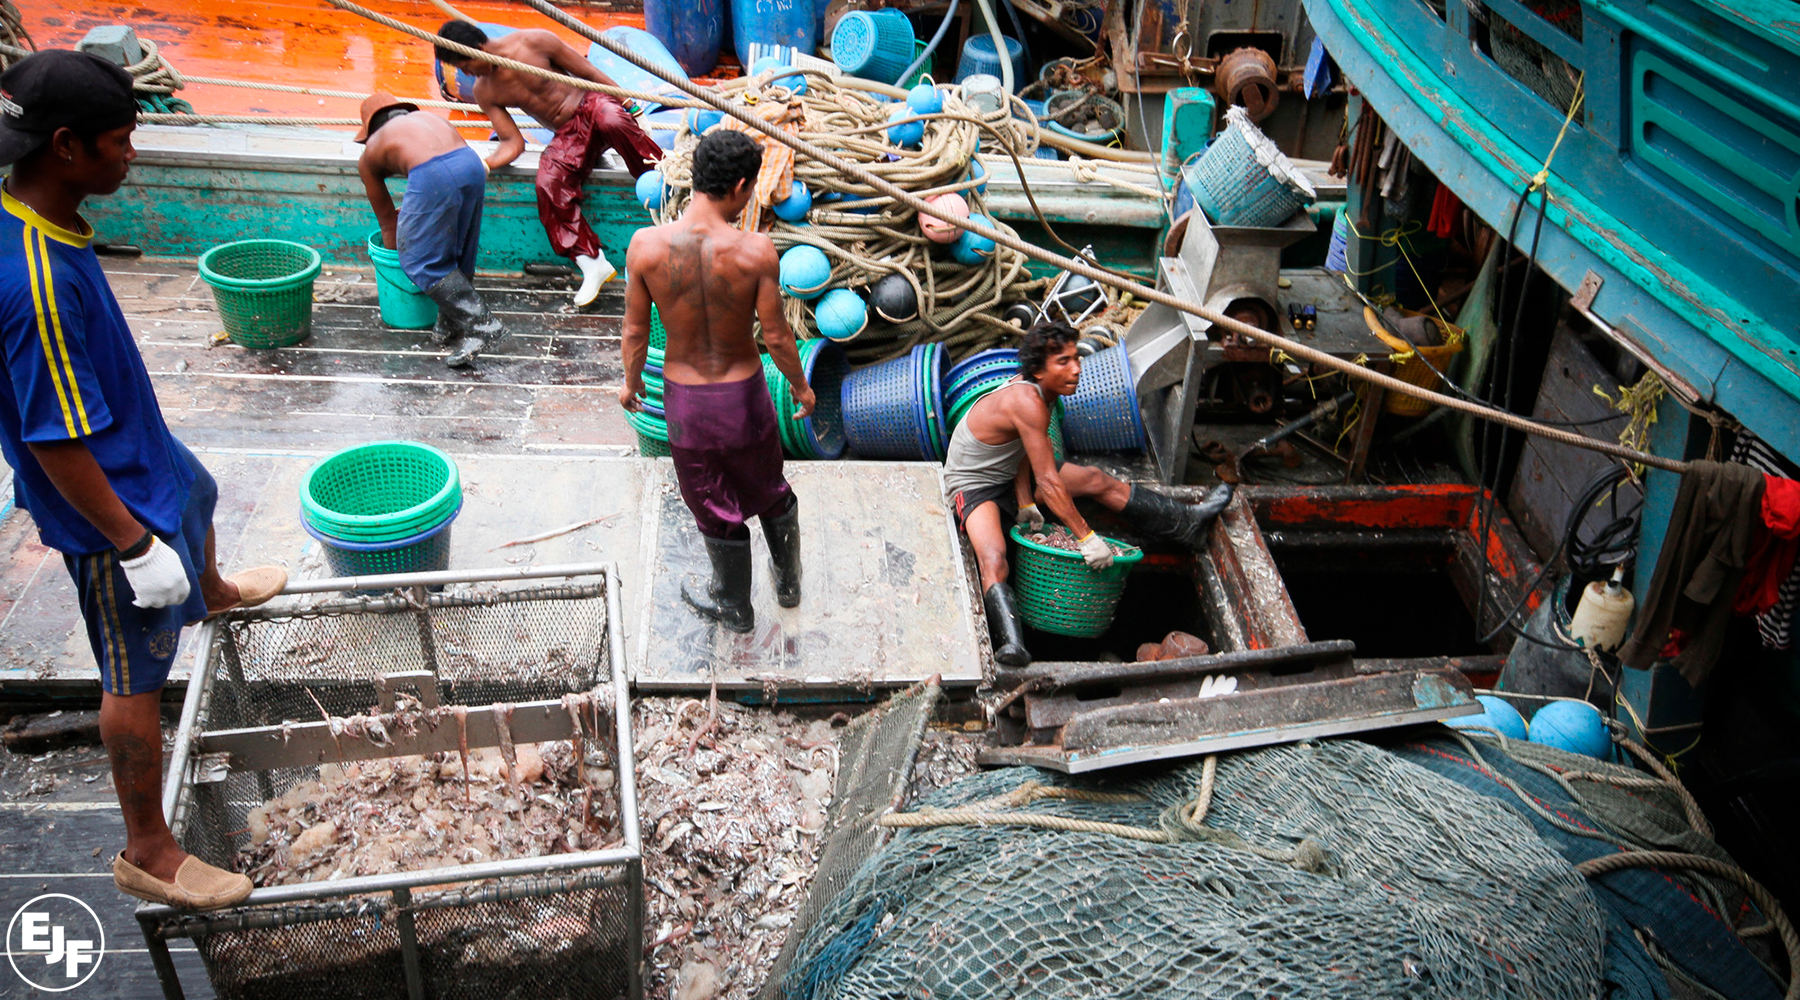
(874, 45)
(881, 409)
(961, 368)
(426, 551)
(980, 56)
(1103, 414)
(1243, 180)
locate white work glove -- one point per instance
(157, 578)
(1095, 550)
(1030, 518)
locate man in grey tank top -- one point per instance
(1001, 467)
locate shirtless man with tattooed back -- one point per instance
(709, 281)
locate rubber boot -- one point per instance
(595, 271)
(783, 533)
(464, 320)
(1171, 520)
(726, 597)
(1006, 630)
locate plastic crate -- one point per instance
(568, 924)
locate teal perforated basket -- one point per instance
(1059, 594)
(263, 289)
(380, 492)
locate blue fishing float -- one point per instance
(977, 172)
(841, 314)
(1499, 715)
(971, 248)
(650, 189)
(795, 84)
(701, 119)
(910, 134)
(794, 207)
(805, 272)
(925, 99)
(1575, 726)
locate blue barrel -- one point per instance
(874, 45)
(689, 29)
(1103, 414)
(979, 56)
(789, 23)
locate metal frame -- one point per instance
(160, 923)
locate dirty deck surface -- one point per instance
(540, 443)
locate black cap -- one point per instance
(58, 88)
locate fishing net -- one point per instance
(1321, 871)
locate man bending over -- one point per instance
(989, 482)
(710, 281)
(438, 228)
(587, 124)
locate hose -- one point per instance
(1006, 66)
(931, 46)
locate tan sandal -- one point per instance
(197, 885)
(255, 586)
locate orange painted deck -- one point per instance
(305, 43)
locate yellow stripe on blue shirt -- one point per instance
(37, 301)
(62, 347)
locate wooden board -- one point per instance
(884, 599)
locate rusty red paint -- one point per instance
(1445, 505)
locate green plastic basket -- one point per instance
(264, 290)
(1059, 594)
(659, 337)
(381, 492)
(652, 434)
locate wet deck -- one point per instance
(541, 444)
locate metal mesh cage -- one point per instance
(556, 925)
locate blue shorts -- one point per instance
(440, 217)
(136, 646)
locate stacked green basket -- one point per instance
(648, 424)
(383, 507)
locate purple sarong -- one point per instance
(727, 453)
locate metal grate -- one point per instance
(876, 755)
(558, 925)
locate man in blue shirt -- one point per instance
(129, 506)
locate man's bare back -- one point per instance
(706, 282)
(551, 102)
(407, 141)
(709, 282)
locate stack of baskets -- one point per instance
(820, 435)
(264, 290)
(383, 507)
(895, 408)
(651, 429)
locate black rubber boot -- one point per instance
(1005, 629)
(726, 597)
(1170, 519)
(783, 533)
(463, 319)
